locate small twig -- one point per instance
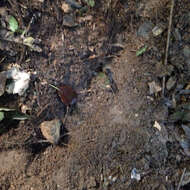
(54, 87)
(181, 179)
(168, 43)
(65, 119)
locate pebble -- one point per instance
(51, 130)
(145, 30)
(170, 83)
(66, 8)
(154, 87)
(69, 21)
(157, 30)
(73, 4)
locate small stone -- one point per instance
(154, 87)
(66, 7)
(157, 30)
(51, 130)
(73, 4)
(145, 29)
(157, 126)
(68, 21)
(135, 174)
(170, 83)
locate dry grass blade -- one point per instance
(181, 179)
(167, 44)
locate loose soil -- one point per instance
(109, 132)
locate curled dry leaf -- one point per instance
(67, 94)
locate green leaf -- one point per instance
(13, 24)
(19, 116)
(1, 116)
(6, 109)
(141, 51)
(91, 3)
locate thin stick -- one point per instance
(181, 179)
(54, 87)
(168, 43)
(65, 119)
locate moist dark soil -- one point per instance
(109, 131)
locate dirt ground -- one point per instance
(110, 130)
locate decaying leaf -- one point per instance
(28, 41)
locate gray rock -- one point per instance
(51, 130)
(73, 4)
(154, 87)
(157, 30)
(69, 21)
(170, 83)
(145, 29)
(66, 7)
